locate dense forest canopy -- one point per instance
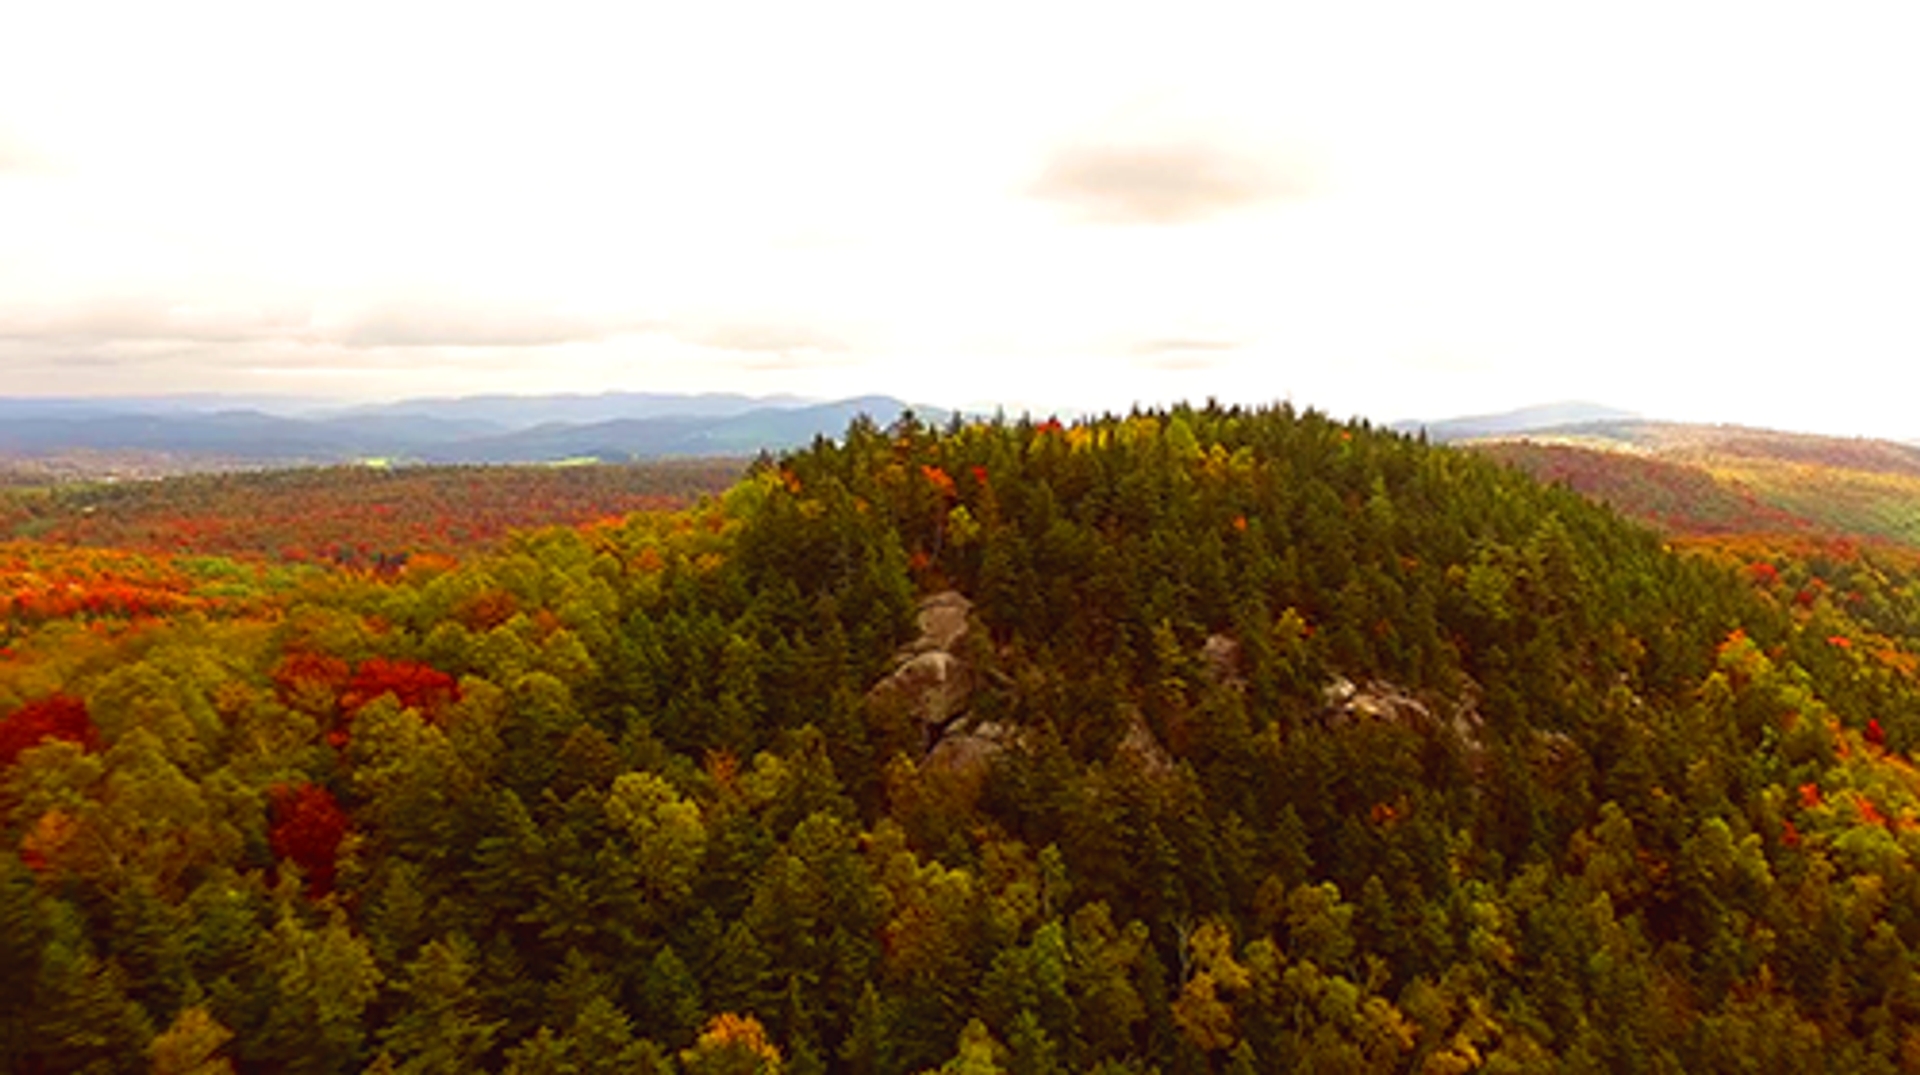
(355, 516)
(1204, 740)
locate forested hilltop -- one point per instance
(1195, 741)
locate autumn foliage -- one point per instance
(1266, 743)
(307, 827)
(412, 684)
(57, 717)
(303, 676)
(732, 1045)
(360, 517)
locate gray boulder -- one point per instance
(934, 686)
(942, 619)
(968, 748)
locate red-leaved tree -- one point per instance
(412, 684)
(307, 827)
(311, 680)
(59, 716)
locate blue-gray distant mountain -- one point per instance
(767, 428)
(482, 430)
(15, 408)
(1510, 423)
(241, 436)
(526, 412)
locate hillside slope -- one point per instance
(1195, 741)
(1725, 479)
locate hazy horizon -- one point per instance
(315, 407)
(1700, 213)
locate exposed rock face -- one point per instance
(1140, 749)
(1220, 660)
(1347, 702)
(1338, 694)
(967, 747)
(933, 682)
(943, 622)
(1556, 757)
(935, 686)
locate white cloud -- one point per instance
(1164, 182)
(1406, 210)
(19, 159)
(469, 325)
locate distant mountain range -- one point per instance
(674, 434)
(1510, 423)
(525, 412)
(614, 427)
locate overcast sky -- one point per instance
(1696, 211)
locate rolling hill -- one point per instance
(1511, 423)
(1700, 480)
(1197, 741)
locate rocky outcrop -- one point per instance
(933, 683)
(1347, 702)
(944, 622)
(934, 686)
(967, 747)
(1139, 748)
(1220, 660)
